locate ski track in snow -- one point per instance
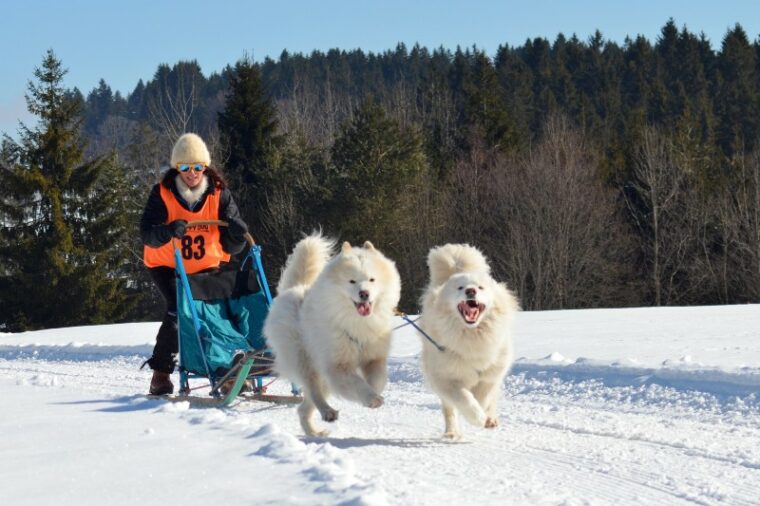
(566, 436)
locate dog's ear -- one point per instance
(368, 245)
(346, 247)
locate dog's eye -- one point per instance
(371, 280)
(481, 288)
(352, 282)
(460, 288)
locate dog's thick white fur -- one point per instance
(330, 324)
(470, 315)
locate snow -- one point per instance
(607, 406)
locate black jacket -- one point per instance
(154, 231)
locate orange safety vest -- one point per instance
(200, 247)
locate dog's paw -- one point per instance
(329, 415)
(451, 435)
(317, 433)
(491, 423)
(476, 417)
(375, 402)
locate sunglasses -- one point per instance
(197, 167)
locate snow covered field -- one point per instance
(631, 406)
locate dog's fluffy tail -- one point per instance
(306, 261)
(445, 261)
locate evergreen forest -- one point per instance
(590, 173)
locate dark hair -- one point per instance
(217, 180)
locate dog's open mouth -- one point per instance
(470, 310)
(363, 308)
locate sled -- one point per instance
(220, 315)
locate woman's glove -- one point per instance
(237, 229)
(177, 228)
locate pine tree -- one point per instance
(174, 100)
(484, 104)
(248, 129)
(536, 55)
(376, 170)
(736, 101)
(64, 219)
(516, 82)
(135, 108)
(566, 57)
(97, 108)
(437, 114)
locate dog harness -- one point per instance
(411, 322)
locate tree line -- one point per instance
(591, 174)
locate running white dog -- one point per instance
(468, 315)
(330, 324)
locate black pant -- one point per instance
(166, 348)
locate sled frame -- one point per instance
(243, 361)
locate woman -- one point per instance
(190, 191)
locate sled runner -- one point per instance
(220, 315)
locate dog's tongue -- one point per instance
(470, 313)
(364, 308)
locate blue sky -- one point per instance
(123, 42)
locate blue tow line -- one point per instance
(411, 322)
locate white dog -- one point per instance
(468, 315)
(330, 324)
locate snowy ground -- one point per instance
(634, 406)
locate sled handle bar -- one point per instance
(221, 223)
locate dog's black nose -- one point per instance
(364, 295)
(471, 292)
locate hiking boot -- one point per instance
(161, 384)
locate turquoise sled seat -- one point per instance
(228, 326)
(220, 315)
